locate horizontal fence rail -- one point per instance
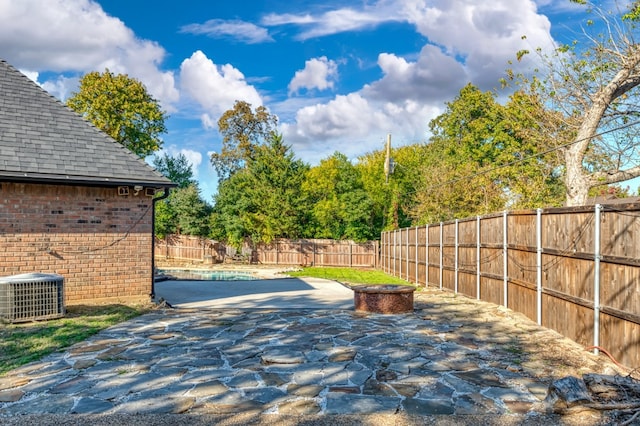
(574, 270)
(305, 252)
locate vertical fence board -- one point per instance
(620, 337)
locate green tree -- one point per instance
(341, 207)
(165, 219)
(535, 178)
(177, 169)
(183, 212)
(243, 130)
(481, 158)
(594, 84)
(191, 212)
(121, 107)
(394, 199)
(263, 200)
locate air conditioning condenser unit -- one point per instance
(31, 297)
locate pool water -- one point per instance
(180, 274)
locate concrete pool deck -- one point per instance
(275, 293)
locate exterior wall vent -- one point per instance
(31, 297)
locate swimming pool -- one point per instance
(181, 274)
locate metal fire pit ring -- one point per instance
(383, 299)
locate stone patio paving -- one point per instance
(452, 356)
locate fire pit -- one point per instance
(383, 299)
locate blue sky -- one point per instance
(339, 74)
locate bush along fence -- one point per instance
(575, 269)
(304, 252)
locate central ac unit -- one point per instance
(31, 297)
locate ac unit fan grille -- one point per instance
(30, 297)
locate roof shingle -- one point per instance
(43, 140)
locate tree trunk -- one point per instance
(576, 181)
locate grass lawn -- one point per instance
(26, 342)
(350, 275)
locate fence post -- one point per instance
(441, 255)
(596, 280)
(539, 264)
(407, 257)
(478, 264)
(395, 247)
(350, 254)
(455, 255)
(400, 253)
(426, 257)
(315, 249)
(417, 260)
(505, 266)
(380, 253)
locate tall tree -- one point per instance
(191, 212)
(594, 84)
(341, 207)
(263, 200)
(481, 158)
(121, 107)
(184, 212)
(242, 129)
(394, 198)
(177, 169)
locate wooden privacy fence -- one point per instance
(186, 247)
(306, 252)
(317, 252)
(574, 270)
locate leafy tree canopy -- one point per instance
(263, 200)
(177, 169)
(593, 84)
(341, 208)
(121, 107)
(242, 129)
(183, 212)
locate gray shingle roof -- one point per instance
(42, 140)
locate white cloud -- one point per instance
(61, 87)
(431, 78)
(318, 73)
(484, 36)
(78, 36)
(245, 32)
(336, 21)
(468, 41)
(354, 125)
(215, 88)
(193, 157)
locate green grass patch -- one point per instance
(26, 342)
(350, 275)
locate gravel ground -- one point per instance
(279, 420)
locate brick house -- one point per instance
(73, 201)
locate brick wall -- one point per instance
(98, 240)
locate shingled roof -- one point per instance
(44, 141)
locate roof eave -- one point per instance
(49, 179)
